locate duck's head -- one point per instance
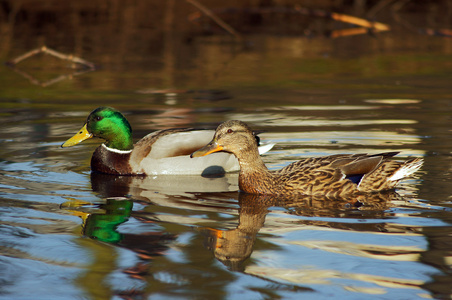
(106, 123)
(232, 136)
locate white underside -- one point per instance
(184, 165)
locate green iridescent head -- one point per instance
(106, 123)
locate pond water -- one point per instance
(66, 233)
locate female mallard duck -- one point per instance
(333, 176)
(161, 152)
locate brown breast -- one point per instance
(109, 162)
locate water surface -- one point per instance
(66, 233)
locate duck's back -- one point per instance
(339, 175)
(167, 152)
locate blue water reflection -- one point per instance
(66, 233)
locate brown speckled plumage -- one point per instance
(334, 176)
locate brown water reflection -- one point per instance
(232, 247)
(166, 50)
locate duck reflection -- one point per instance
(232, 247)
(100, 224)
(164, 203)
(103, 226)
(143, 187)
(371, 205)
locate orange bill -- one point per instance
(79, 137)
(207, 149)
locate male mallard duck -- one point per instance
(333, 176)
(160, 152)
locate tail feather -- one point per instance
(407, 169)
(388, 174)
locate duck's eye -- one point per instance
(98, 118)
(229, 130)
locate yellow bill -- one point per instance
(207, 149)
(79, 137)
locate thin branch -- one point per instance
(88, 66)
(360, 22)
(215, 18)
(52, 52)
(343, 18)
(428, 31)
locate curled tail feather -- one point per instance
(407, 169)
(388, 174)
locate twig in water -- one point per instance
(87, 66)
(52, 52)
(215, 18)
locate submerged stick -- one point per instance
(35, 81)
(88, 66)
(362, 23)
(215, 18)
(45, 49)
(442, 32)
(349, 32)
(69, 57)
(24, 56)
